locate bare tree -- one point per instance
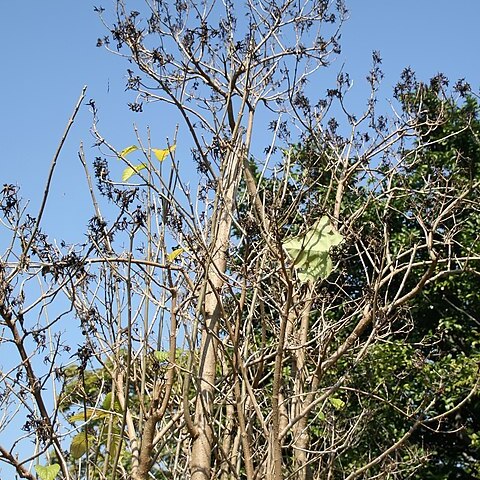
(225, 330)
(218, 70)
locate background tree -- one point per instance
(274, 323)
(445, 313)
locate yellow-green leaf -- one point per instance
(82, 416)
(78, 447)
(129, 171)
(174, 254)
(161, 356)
(128, 150)
(89, 414)
(162, 154)
(49, 472)
(337, 403)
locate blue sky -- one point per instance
(49, 53)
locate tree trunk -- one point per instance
(220, 238)
(300, 432)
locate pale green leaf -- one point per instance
(309, 251)
(129, 171)
(78, 447)
(49, 472)
(174, 254)
(162, 154)
(128, 150)
(337, 403)
(315, 267)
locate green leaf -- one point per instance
(114, 445)
(337, 403)
(107, 403)
(129, 171)
(309, 251)
(128, 150)
(174, 254)
(49, 472)
(78, 447)
(89, 414)
(163, 154)
(161, 356)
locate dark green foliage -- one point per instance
(447, 312)
(437, 359)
